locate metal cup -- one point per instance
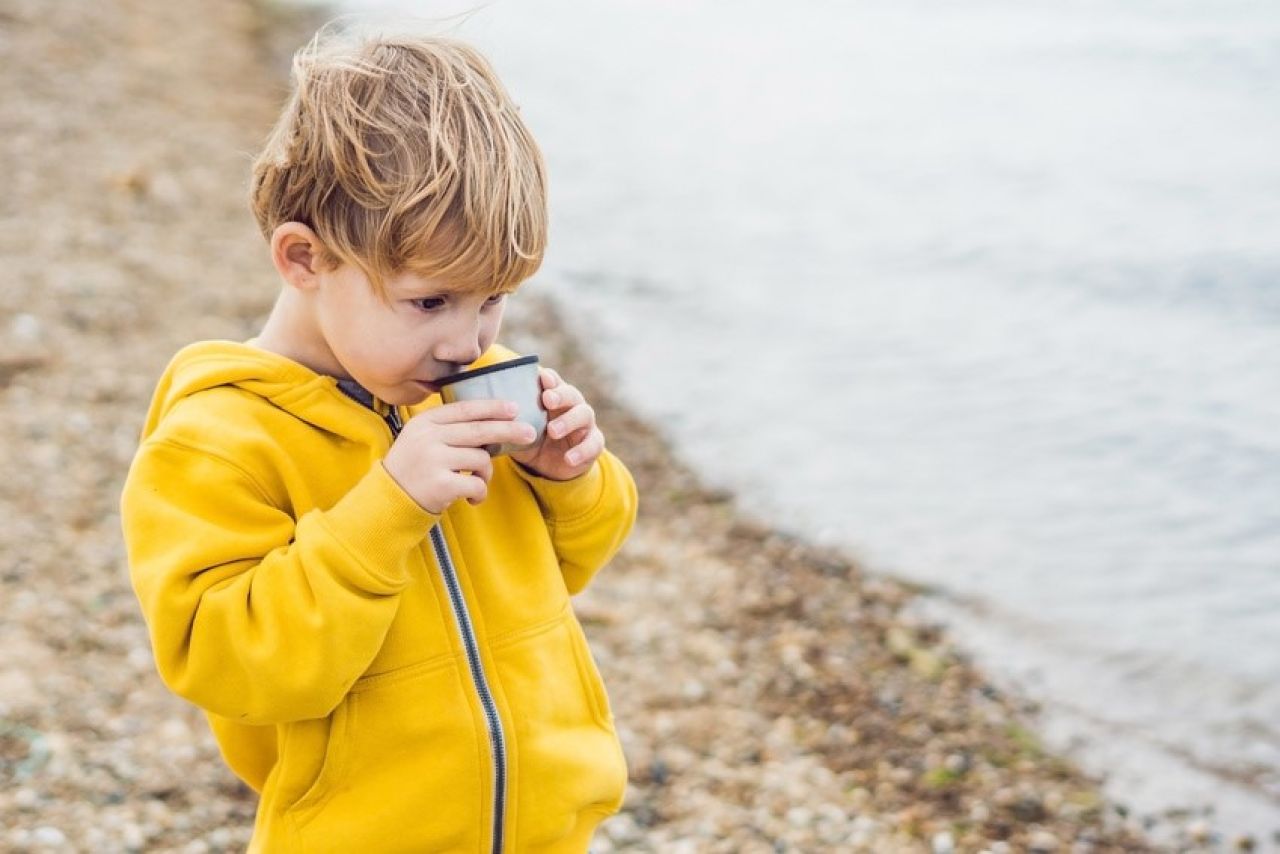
(515, 380)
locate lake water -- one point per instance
(987, 294)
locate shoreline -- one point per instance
(771, 695)
(870, 708)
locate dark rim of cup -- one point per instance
(487, 369)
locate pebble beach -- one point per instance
(771, 696)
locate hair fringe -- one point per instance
(404, 153)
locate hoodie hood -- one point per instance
(313, 397)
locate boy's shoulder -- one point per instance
(230, 425)
(222, 398)
(212, 418)
(209, 441)
(228, 389)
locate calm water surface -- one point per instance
(986, 293)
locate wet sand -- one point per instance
(771, 696)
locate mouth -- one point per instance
(429, 386)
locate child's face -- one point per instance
(397, 348)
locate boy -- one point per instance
(390, 667)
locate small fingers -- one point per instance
(476, 434)
(472, 488)
(472, 410)
(561, 397)
(576, 418)
(588, 450)
(476, 461)
(454, 485)
(577, 437)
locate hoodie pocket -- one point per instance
(590, 675)
(409, 773)
(312, 756)
(569, 764)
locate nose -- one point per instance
(459, 342)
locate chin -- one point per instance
(412, 394)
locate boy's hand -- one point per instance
(439, 456)
(573, 441)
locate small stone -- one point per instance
(25, 798)
(831, 813)
(899, 641)
(862, 832)
(1082, 801)
(139, 658)
(1029, 810)
(927, 664)
(622, 828)
(175, 731)
(219, 838)
(132, 836)
(25, 327)
(1198, 830)
(693, 690)
(1245, 843)
(47, 835)
(799, 817)
(943, 843)
(1042, 842)
(79, 422)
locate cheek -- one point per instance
(370, 340)
(489, 326)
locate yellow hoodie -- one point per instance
(382, 687)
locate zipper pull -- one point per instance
(393, 421)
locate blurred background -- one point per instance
(985, 294)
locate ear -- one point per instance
(296, 252)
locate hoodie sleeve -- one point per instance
(252, 615)
(589, 517)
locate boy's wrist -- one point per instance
(566, 500)
(533, 472)
(378, 524)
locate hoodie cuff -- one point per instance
(564, 501)
(379, 524)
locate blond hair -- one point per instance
(406, 154)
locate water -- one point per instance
(986, 293)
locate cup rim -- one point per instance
(487, 369)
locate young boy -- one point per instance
(392, 668)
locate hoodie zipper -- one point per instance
(497, 740)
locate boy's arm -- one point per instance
(253, 616)
(589, 517)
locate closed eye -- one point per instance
(429, 303)
(433, 304)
